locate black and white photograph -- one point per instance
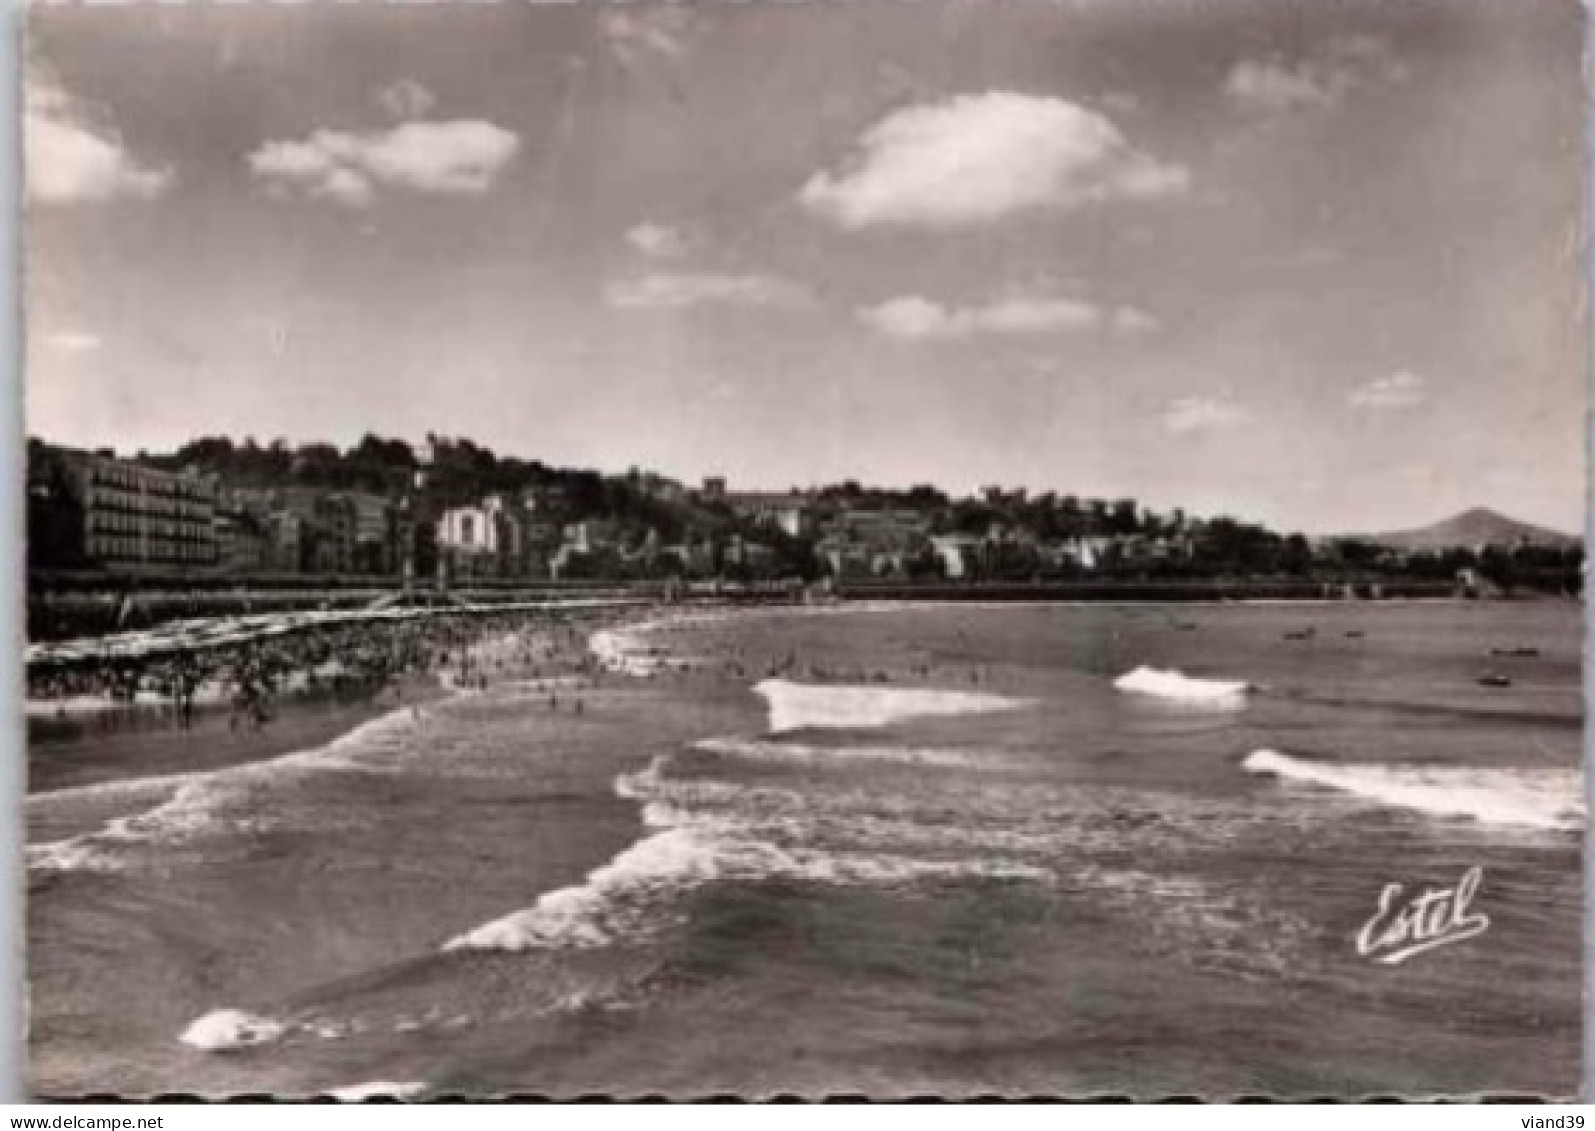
(829, 548)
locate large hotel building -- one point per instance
(96, 511)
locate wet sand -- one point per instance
(140, 743)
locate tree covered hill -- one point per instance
(1473, 528)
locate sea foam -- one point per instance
(706, 831)
(756, 750)
(594, 913)
(1525, 797)
(622, 901)
(378, 1090)
(794, 706)
(1175, 686)
(228, 1030)
(206, 802)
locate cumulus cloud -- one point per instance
(444, 158)
(912, 318)
(69, 158)
(656, 31)
(1274, 86)
(1320, 81)
(657, 241)
(1402, 389)
(1186, 415)
(679, 291)
(1129, 321)
(406, 100)
(976, 158)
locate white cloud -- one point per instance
(446, 158)
(72, 341)
(1319, 82)
(976, 158)
(659, 30)
(1274, 86)
(1202, 414)
(406, 100)
(657, 241)
(912, 318)
(1127, 320)
(70, 159)
(679, 291)
(344, 186)
(1402, 389)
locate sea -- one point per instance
(938, 850)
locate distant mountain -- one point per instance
(1476, 527)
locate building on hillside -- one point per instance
(659, 487)
(957, 555)
(844, 558)
(243, 543)
(92, 510)
(285, 542)
(332, 540)
(492, 538)
(375, 549)
(787, 511)
(304, 502)
(467, 541)
(691, 557)
(747, 555)
(1086, 551)
(591, 535)
(885, 531)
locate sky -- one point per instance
(1311, 264)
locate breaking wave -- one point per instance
(1531, 798)
(621, 901)
(709, 831)
(379, 1089)
(228, 1030)
(206, 802)
(1182, 688)
(794, 706)
(627, 651)
(764, 751)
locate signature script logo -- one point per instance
(1404, 926)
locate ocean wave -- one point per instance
(794, 706)
(73, 855)
(228, 1030)
(205, 802)
(593, 913)
(1177, 687)
(629, 898)
(627, 651)
(1533, 798)
(378, 1090)
(758, 750)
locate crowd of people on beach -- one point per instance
(249, 678)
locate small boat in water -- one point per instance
(1495, 679)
